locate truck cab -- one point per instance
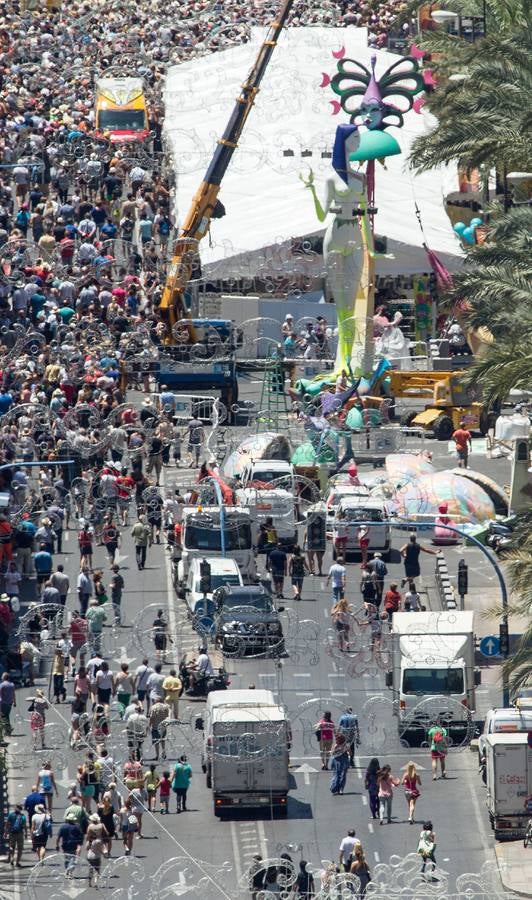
(203, 535)
(121, 113)
(266, 471)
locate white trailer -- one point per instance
(509, 783)
(277, 504)
(246, 750)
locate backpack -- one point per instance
(17, 824)
(439, 739)
(132, 822)
(22, 218)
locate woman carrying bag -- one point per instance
(427, 846)
(411, 783)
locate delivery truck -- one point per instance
(509, 783)
(433, 658)
(246, 749)
(276, 504)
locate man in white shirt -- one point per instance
(337, 577)
(347, 849)
(141, 679)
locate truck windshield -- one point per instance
(262, 602)
(264, 475)
(433, 681)
(122, 120)
(359, 514)
(218, 581)
(209, 538)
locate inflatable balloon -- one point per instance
(474, 223)
(459, 228)
(469, 235)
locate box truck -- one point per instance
(509, 783)
(433, 656)
(245, 752)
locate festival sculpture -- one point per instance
(373, 105)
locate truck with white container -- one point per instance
(246, 747)
(276, 504)
(217, 531)
(509, 783)
(432, 674)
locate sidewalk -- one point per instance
(515, 867)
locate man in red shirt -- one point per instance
(462, 441)
(392, 600)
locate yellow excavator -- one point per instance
(205, 203)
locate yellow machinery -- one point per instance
(451, 402)
(205, 204)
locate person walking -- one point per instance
(85, 537)
(411, 783)
(336, 577)
(341, 619)
(165, 786)
(123, 686)
(110, 538)
(141, 535)
(297, 569)
(427, 846)
(41, 829)
(95, 838)
(410, 553)
(378, 568)
(173, 688)
(96, 616)
(16, 829)
(70, 841)
(412, 600)
(325, 736)
(8, 701)
(181, 782)
(463, 445)
(363, 544)
(360, 868)
(152, 781)
(85, 590)
(348, 846)
(61, 581)
(304, 887)
(58, 676)
(160, 636)
(142, 674)
(339, 764)
(392, 601)
(437, 736)
(371, 784)
(348, 726)
(158, 716)
(277, 565)
(386, 782)
(117, 586)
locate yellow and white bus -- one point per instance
(121, 113)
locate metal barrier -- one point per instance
(443, 583)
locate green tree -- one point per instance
(518, 562)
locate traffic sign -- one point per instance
(490, 646)
(530, 739)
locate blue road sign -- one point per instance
(530, 739)
(490, 646)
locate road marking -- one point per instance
(266, 674)
(326, 614)
(364, 800)
(304, 693)
(301, 674)
(339, 694)
(262, 839)
(236, 853)
(306, 771)
(376, 855)
(370, 827)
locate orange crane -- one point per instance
(205, 204)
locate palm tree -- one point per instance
(518, 560)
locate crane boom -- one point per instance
(205, 200)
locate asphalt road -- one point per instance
(312, 677)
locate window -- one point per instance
(433, 681)
(358, 514)
(122, 120)
(207, 536)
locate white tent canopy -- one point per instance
(266, 203)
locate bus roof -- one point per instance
(120, 91)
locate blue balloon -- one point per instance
(469, 235)
(459, 228)
(474, 223)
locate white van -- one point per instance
(276, 504)
(354, 511)
(223, 571)
(202, 535)
(268, 470)
(504, 721)
(246, 748)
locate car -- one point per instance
(336, 492)
(223, 571)
(247, 622)
(506, 720)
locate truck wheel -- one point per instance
(208, 777)
(443, 428)
(407, 418)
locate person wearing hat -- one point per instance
(16, 831)
(288, 325)
(41, 829)
(70, 841)
(95, 842)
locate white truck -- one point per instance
(246, 748)
(277, 504)
(202, 535)
(509, 783)
(266, 471)
(433, 674)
